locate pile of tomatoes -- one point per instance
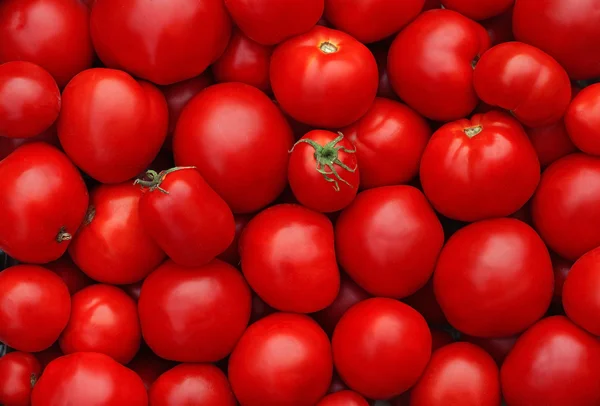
(300, 202)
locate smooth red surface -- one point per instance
(582, 121)
(179, 94)
(551, 142)
(343, 398)
(18, 372)
(477, 9)
(581, 292)
(70, 274)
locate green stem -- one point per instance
(155, 179)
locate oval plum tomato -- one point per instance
(551, 142)
(582, 120)
(431, 64)
(528, 82)
(34, 307)
(194, 314)
(110, 125)
(343, 398)
(288, 258)
(192, 384)
(148, 366)
(128, 254)
(499, 28)
(160, 41)
(184, 216)
(477, 9)
(389, 141)
(568, 359)
(487, 290)
(324, 78)
(42, 204)
(488, 158)
(440, 338)
(18, 373)
(561, 267)
(262, 372)
(269, 22)
(91, 379)
(388, 240)
(372, 339)
(70, 274)
(424, 301)
(251, 136)
(232, 254)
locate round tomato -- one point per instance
(551, 142)
(283, 359)
(70, 274)
(19, 371)
(232, 254)
(498, 348)
(148, 366)
(343, 398)
(561, 267)
(324, 78)
(582, 120)
(424, 301)
(477, 9)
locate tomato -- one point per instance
(388, 240)
(498, 348)
(251, 136)
(8, 145)
(91, 379)
(551, 142)
(439, 339)
(565, 356)
(70, 274)
(343, 398)
(288, 258)
(373, 339)
(380, 52)
(232, 254)
(324, 78)
(499, 28)
(149, 367)
(18, 373)
(42, 204)
(582, 122)
(262, 371)
(389, 141)
(487, 290)
(179, 94)
(561, 267)
(323, 171)
(488, 158)
(478, 10)
(270, 22)
(430, 64)
(528, 82)
(372, 20)
(424, 301)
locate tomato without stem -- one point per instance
(18, 373)
(179, 94)
(478, 10)
(551, 142)
(581, 120)
(343, 398)
(70, 274)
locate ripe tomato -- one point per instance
(567, 358)
(262, 372)
(488, 158)
(19, 371)
(70, 274)
(581, 120)
(388, 240)
(148, 366)
(42, 203)
(551, 142)
(324, 78)
(561, 267)
(424, 301)
(343, 398)
(252, 138)
(430, 64)
(232, 254)
(478, 10)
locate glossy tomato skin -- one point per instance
(566, 356)
(262, 372)
(70, 274)
(343, 398)
(18, 373)
(409, 238)
(324, 78)
(488, 158)
(232, 254)
(35, 229)
(551, 142)
(439, 91)
(372, 339)
(239, 141)
(478, 10)
(581, 120)
(179, 94)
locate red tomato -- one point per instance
(194, 314)
(110, 125)
(149, 367)
(551, 142)
(488, 158)
(477, 9)
(288, 258)
(324, 78)
(582, 122)
(252, 138)
(499, 28)
(388, 240)
(323, 171)
(389, 141)
(42, 204)
(380, 52)
(283, 359)
(528, 82)
(561, 267)
(18, 373)
(8, 145)
(494, 278)
(91, 379)
(424, 301)
(70, 274)
(232, 254)
(431, 64)
(439, 339)
(343, 398)
(373, 339)
(498, 348)
(554, 363)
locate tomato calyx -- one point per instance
(155, 179)
(474, 61)
(63, 235)
(33, 379)
(328, 48)
(473, 131)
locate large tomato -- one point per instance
(19, 371)
(582, 120)
(431, 64)
(69, 273)
(343, 398)
(551, 142)
(324, 78)
(477, 9)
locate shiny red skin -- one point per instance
(18, 372)
(270, 22)
(262, 371)
(328, 88)
(390, 139)
(179, 94)
(160, 41)
(424, 301)
(288, 258)
(372, 339)
(32, 225)
(498, 348)
(438, 90)
(460, 374)
(70, 274)
(551, 142)
(582, 122)
(499, 28)
(8, 145)
(488, 291)
(478, 10)
(53, 34)
(343, 398)
(232, 254)
(128, 254)
(530, 83)
(252, 138)
(439, 339)
(34, 307)
(149, 367)
(194, 314)
(568, 359)
(91, 379)
(496, 170)
(561, 267)
(408, 238)
(110, 125)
